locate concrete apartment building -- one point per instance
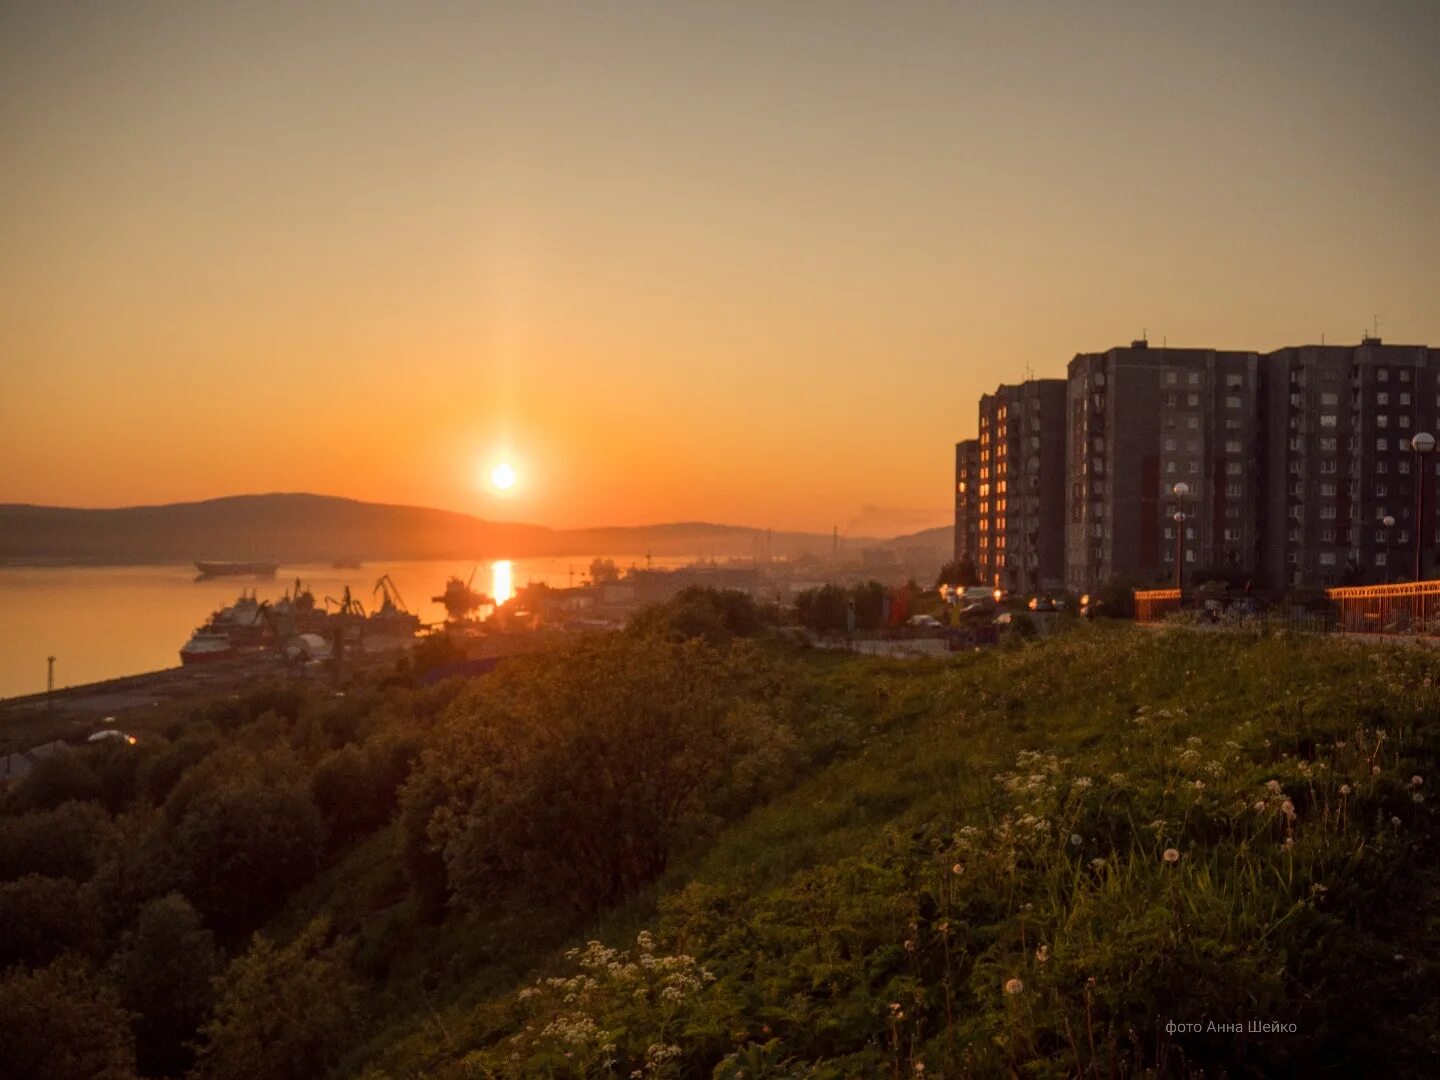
(1019, 505)
(967, 480)
(1140, 420)
(1337, 421)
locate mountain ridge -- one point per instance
(307, 527)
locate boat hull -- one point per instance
(205, 656)
(236, 569)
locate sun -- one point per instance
(502, 476)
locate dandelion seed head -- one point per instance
(1171, 855)
(1014, 986)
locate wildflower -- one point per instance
(1344, 789)
(1289, 844)
(1288, 808)
(1014, 986)
(1374, 770)
(1418, 797)
(1042, 954)
(957, 869)
(1097, 864)
(1199, 785)
(1339, 744)
(1076, 839)
(1171, 855)
(1260, 806)
(895, 1008)
(1395, 821)
(1081, 783)
(909, 944)
(1416, 781)
(1274, 786)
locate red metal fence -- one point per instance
(1410, 608)
(1154, 605)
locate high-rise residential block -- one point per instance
(967, 507)
(1020, 523)
(1142, 420)
(1338, 423)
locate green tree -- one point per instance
(869, 601)
(61, 1022)
(164, 972)
(716, 615)
(959, 573)
(573, 778)
(281, 1012)
(242, 850)
(69, 841)
(62, 777)
(824, 610)
(348, 787)
(603, 570)
(41, 917)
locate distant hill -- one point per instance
(316, 528)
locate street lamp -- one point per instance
(1422, 443)
(1389, 522)
(1180, 490)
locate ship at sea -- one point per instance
(209, 569)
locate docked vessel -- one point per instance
(460, 599)
(206, 644)
(211, 569)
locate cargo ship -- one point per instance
(235, 569)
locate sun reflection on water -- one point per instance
(501, 586)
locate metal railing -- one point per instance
(1408, 608)
(1156, 605)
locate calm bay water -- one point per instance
(102, 622)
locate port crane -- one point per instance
(391, 600)
(346, 606)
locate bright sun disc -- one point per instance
(502, 477)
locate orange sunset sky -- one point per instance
(740, 262)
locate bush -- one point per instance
(284, 1013)
(61, 1023)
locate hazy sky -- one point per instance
(743, 262)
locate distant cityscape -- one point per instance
(1278, 470)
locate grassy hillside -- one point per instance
(648, 857)
(1035, 861)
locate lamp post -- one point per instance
(1422, 443)
(1389, 522)
(1180, 490)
